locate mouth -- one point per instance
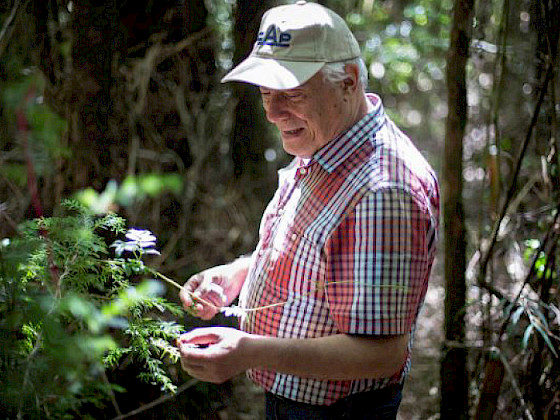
(292, 133)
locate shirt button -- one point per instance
(302, 171)
(294, 236)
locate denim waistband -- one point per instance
(373, 404)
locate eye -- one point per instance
(294, 96)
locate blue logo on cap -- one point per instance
(273, 36)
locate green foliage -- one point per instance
(45, 126)
(69, 310)
(404, 45)
(406, 53)
(534, 312)
(540, 266)
(133, 189)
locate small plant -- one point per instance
(70, 311)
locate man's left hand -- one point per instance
(214, 354)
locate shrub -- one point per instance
(72, 306)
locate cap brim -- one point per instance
(273, 74)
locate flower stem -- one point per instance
(191, 294)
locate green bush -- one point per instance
(74, 304)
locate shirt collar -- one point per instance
(339, 149)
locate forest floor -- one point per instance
(421, 390)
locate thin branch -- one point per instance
(9, 20)
(551, 235)
(28, 359)
(111, 394)
(514, 384)
(494, 291)
(507, 366)
(158, 401)
(272, 305)
(511, 191)
(8, 23)
(23, 127)
(5, 216)
(169, 50)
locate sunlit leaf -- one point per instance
(527, 335)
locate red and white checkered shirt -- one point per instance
(347, 243)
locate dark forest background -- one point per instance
(117, 106)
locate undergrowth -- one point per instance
(76, 301)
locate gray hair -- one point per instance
(334, 72)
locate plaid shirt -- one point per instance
(346, 246)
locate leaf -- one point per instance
(556, 312)
(517, 314)
(546, 338)
(527, 335)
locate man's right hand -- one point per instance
(205, 293)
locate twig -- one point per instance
(172, 49)
(494, 237)
(260, 308)
(23, 127)
(550, 233)
(4, 214)
(168, 280)
(191, 294)
(514, 383)
(511, 375)
(111, 394)
(28, 359)
(490, 288)
(36, 348)
(158, 401)
(9, 20)
(8, 23)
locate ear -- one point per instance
(351, 82)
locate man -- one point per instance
(332, 292)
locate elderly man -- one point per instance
(332, 292)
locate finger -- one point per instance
(207, 306)
(211, 296)
(199, 336)
(193, 309)
(206, 313)
(187, 290)
(193, 283)
(214, 290)
(190, 368)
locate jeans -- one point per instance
(370, 405)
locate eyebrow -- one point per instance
(295, 90)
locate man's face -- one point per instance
(308, 116)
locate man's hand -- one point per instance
(214, 354)
(208, 291)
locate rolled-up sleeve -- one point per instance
(378, 264)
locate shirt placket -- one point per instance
(284, 200)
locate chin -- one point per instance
(292, 148)
(295, 152)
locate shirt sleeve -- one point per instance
(379, 260)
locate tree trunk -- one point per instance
(454, 378)
(250, 128)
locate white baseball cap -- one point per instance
(295, 41)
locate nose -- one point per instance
(275, 108)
